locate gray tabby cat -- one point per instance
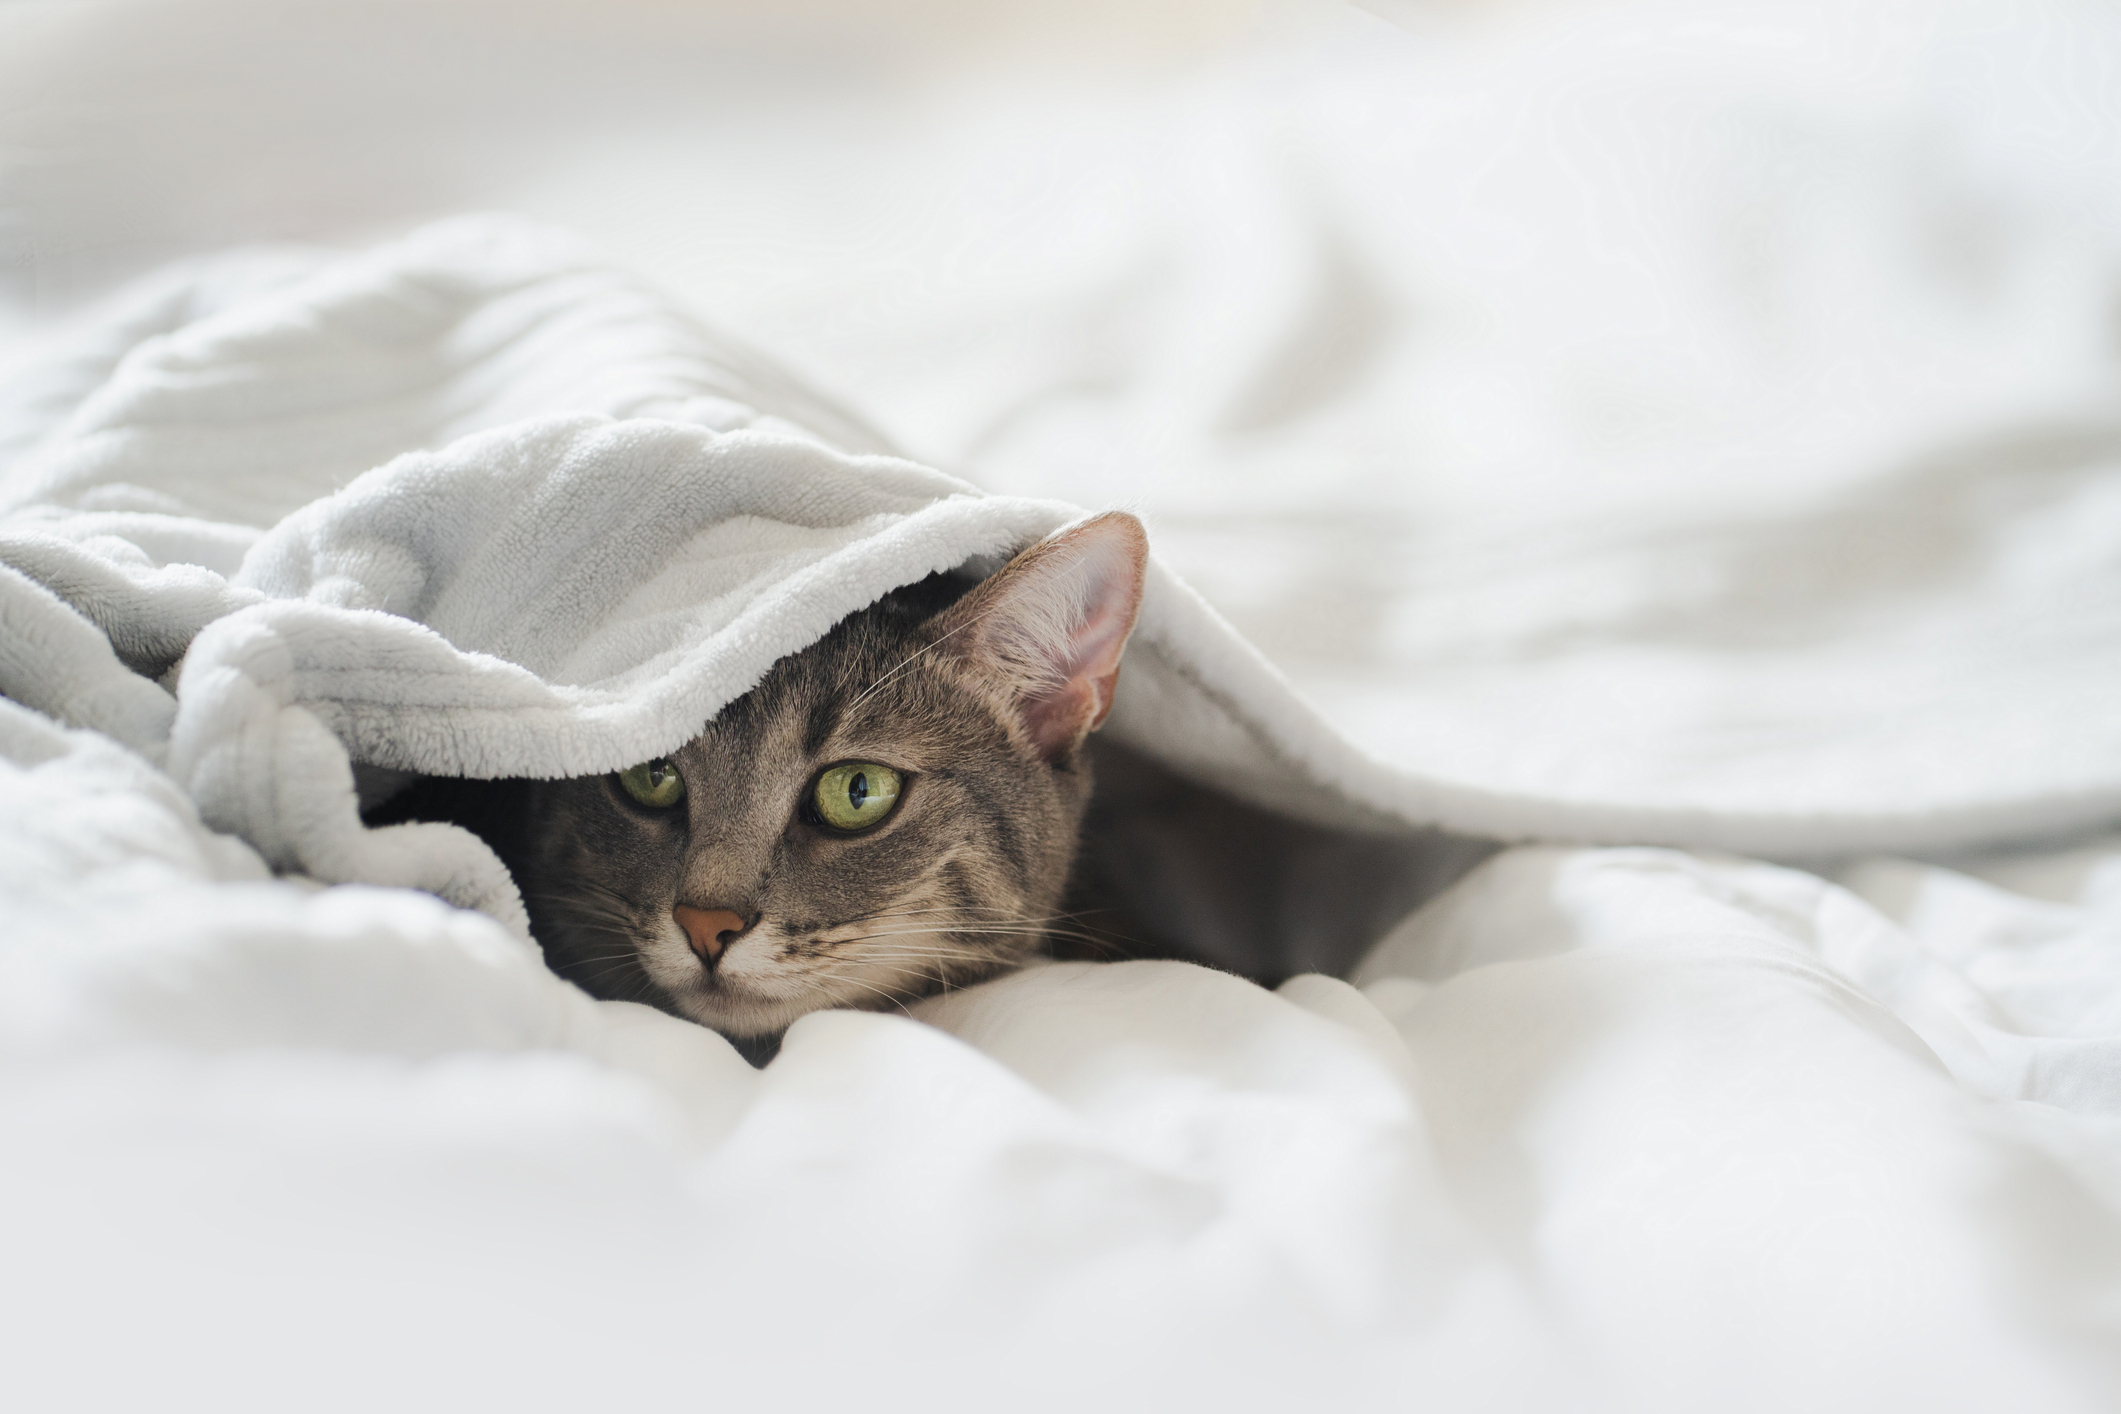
(890, 812)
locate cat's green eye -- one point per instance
(856, 795)
(656, 783)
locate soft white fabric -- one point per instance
(1683, 423)
(1605, 1129)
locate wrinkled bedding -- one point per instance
(1683, 452)
(1616, 1128)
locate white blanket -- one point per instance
(1626, 1128)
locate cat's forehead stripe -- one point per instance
(820, 723)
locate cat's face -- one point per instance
(890, 813)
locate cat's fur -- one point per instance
(980, 695)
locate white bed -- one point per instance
(1681, 441)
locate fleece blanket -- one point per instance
(201, 565)
(259, 541)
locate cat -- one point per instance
(891, 812)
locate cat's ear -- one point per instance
(1050, 626)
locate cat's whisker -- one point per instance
(1001, 602)
(625, 954)
(873, 952)
(885, 959)
(941, 968)
(577, 900)
(891, 958)
(1008, 918)
(606, 967)
(595, 920)
(888, 996)
(917, 654)
(1090, 941)
(1008, 914)
(605, 974)
(875, 956)
(891, 999)
(628, 951)
(991, 929)
(955, 928)
(599, 925)
(891, 917)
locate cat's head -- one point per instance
(889, 813)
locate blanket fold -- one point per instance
(471, 504)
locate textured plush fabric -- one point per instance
(471, 504)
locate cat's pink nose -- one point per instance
(710, 929)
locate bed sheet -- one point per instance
(1620, 1128)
